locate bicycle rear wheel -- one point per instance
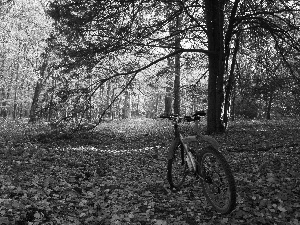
(217, 180)
(177, 168)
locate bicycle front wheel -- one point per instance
(217, 180)
(177, 168)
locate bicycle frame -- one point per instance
(184, 141)
(208, 165)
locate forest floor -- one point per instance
(117, 175)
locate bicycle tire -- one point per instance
(178, 160)
(211, 181)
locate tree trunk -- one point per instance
(35, 99)
(118, 108)
(50, 110)
(51, 103)
(112, 109)
(8, 96)
(16, 90)
(168, 100)
(127, 105)
(168, 95)
(232, 105)
(230, 84)
(3, 110)
(177, 69)
(214, 10)
(138, 105)
(177, 85)
(269, 106)
(108, 98)
(38, 87)
(89, 106)
(157, 100)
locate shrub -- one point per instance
(246, 109)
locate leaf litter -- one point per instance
(117, 175)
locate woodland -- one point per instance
(82, 86)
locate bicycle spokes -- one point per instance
(207, 164)
(177, 170)
(215, 181)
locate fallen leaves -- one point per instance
(118, 176)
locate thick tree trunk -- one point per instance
(214, 21)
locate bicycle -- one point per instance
(208, 165)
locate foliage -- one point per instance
(112, 59)
(24, 28)
(117, 175)
(88, 39)
(247, 109)
(262, 78)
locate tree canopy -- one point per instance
(91, 33)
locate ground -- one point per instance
(117, 175)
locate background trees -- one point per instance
(23, 29)
(111, 59)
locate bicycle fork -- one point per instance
(192, 162)
(188, 156)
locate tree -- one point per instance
(230, 84)
(24, 28)
(214, 11)
(89, 32)
(175, 27)
(134, 34)
(39, 84)
(258, 20)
